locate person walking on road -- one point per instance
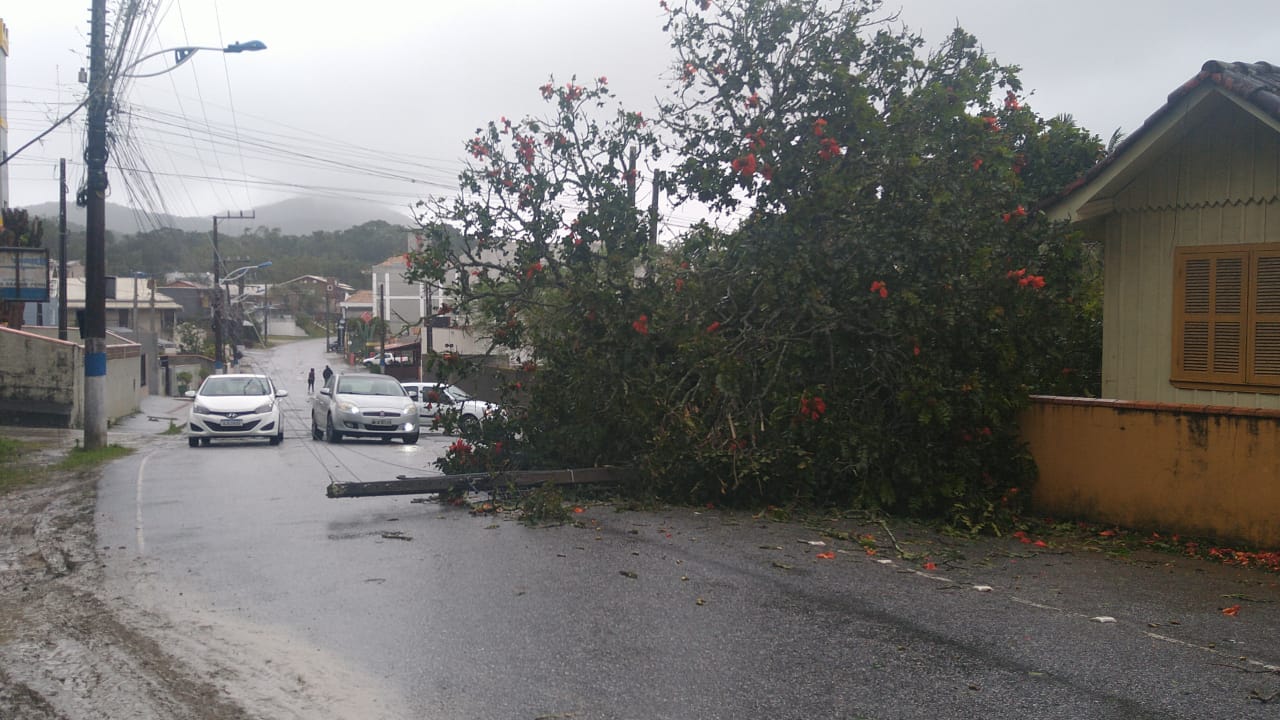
(311, 381)
(327, 373)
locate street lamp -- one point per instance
(102, 81)
(183, 54)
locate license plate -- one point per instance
(232, 422)
(382, 423)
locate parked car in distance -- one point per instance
(435, 399)
(375, 360)
(359, 404)
(235, 406)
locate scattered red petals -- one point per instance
(930, 566)
(1231, 611)
(830, 555)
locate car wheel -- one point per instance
(331, 433)
(469, 422)
(205, 441)
(316, 432)
(193, 442)
(409, 439)
(275, 439)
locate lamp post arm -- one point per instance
(180, 54)
(184, 53)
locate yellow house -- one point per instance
(1187, 211)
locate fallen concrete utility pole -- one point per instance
(478, 482)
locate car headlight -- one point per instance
(199, 409)
(263, 408)
(347, 406)
(410, 408)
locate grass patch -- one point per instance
(14, 472)
(81, 459)
(10, 449)
(173, 429)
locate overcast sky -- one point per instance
(374, 99)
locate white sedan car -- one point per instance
(235, 407)
(435, 399)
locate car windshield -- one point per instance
(457, 393)
(235, 387)
(369, 385)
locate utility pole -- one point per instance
(95, 305)
(266, 312)
(653, 209)
(134, 322)
(219, 358)
(62, 249)
(382, 351)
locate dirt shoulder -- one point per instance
(72, 649)
(66, 651)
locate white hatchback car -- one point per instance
(235, 407)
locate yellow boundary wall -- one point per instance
(1197, 470)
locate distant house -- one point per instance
(195, 300)
(357, 305)
(1187, 211)
(135, 307)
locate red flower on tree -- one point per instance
(753, 100)
(1018, 212)
(641, 325)
(745, 164)
(812, 408)
(1011, 101)
(820, 127)
(714, 326)
(477, 148)
(830, 149)
(879, 287)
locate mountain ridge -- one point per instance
(294, 216)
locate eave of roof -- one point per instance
(1255, 86)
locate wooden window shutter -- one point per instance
(1210, 307)
(1264, 321)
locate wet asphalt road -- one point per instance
(668, 614)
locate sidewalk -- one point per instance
(154, 415)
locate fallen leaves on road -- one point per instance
(1231, 611)
(828, 555)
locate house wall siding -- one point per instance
(1216, 187)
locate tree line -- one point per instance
(344, 254)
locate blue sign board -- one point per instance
(24, 274)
